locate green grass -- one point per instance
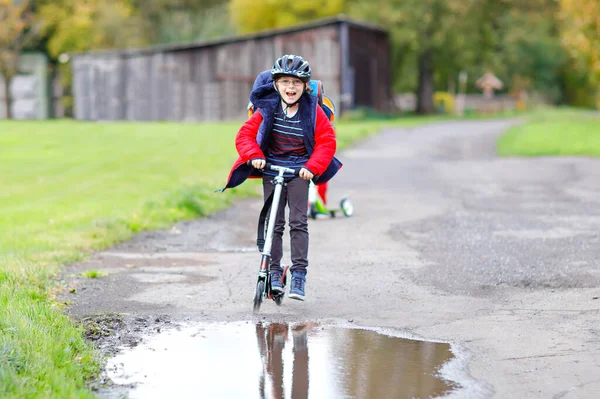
(68, 188)
(553, 132)
(93, 274)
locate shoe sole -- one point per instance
(296, 297)
(277, 290)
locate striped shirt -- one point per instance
(287, 138)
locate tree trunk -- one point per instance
(425, 88)
(7, 96)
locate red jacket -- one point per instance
(319, 138)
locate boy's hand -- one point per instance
(306, 174)
(259, 163)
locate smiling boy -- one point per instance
(289, 129)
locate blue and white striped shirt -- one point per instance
(287, 138)
(286, 146)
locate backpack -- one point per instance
(325, 102)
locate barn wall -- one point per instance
(369, 69)
(321, 48)
(204, 83)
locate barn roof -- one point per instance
(339, 19)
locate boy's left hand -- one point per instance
(306, 174)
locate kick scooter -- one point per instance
(316, 205)
(263, 283)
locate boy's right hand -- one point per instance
(259, 163)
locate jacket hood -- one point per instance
(264, 96)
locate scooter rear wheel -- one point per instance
(312, 211)
(258, 295)
(278, 299)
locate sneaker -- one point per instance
(276, 281)
(297, 286)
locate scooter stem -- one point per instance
(273, 213)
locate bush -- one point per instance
(443, 102)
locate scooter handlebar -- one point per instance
(277, 168)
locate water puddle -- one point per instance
(270, 360)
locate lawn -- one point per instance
(554, 132)
(68, 188)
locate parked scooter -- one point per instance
(316, 205)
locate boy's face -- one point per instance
(290, 88)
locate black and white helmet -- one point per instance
(291, 65)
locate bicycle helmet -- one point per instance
(291, 65)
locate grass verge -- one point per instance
(552, 132)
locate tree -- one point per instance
(433, 40)
(532, 51)
(255, 15)
(175, 21)
(73, 25)
(517, 41)
(78, 26)
(580, 34)
(16, 31)
(428, 33)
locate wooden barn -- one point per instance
(211, 80)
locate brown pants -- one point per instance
(295, 195)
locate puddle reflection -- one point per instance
(297, 361)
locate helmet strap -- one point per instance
(288, 105)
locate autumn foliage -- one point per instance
(580, 33)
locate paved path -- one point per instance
(500, 257)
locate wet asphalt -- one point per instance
(500, 257)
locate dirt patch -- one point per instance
(112, 333)
(127, 274)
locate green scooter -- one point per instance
(316, 205)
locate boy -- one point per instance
(264, 78)
(288, 129)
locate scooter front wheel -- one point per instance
(347, 207)
(258, 295)
(279, 297)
